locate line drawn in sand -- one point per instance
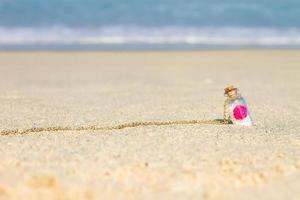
(110, 128)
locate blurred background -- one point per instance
(148, 24)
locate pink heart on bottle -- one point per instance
(240, 112)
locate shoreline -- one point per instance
(141, 48)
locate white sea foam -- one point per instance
(150, 35)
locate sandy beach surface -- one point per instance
(49, 91)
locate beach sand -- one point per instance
(40, 90)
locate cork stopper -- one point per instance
(229, 89)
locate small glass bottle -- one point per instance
(235, 108)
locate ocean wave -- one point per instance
(150, 35)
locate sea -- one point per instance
(148, 24)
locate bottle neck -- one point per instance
(234, 96)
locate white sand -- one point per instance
(197, 161)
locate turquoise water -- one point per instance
(150, 22)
